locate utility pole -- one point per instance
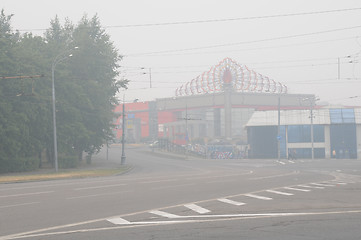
(279, 128)
(122, 161)
(150, 78)
(312, 145)
(338, 70)
(186, 118)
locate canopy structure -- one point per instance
(229, 73)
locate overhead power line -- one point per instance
(218, 20)
(233, 19)
(252, 49)
(246, 42)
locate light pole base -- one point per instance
(122, 160)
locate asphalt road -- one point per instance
(167, 197)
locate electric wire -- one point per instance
(245, 42)
(218, 20)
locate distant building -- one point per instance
(336, 133)
(225, 103)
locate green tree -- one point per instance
(86, 85)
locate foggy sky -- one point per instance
(306, 64)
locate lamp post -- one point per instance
(122, 159)
(62, 56)
(312, 104)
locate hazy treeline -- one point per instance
(85, 86)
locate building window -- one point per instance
(299, 133)
(342, 115)
(318, 133)
(302, 133)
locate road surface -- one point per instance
(168, 197)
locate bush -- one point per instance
(68, 161)
(8, 165)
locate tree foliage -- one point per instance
(85, 85)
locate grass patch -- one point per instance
(63, 175)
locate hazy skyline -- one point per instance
(300, 51)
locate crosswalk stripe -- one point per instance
(340, 183)
(118, 221)
(297, 189)
(322, 185)
(197, 208)
(164, 214)
(281, 193)
(307, 186)
(258, 197)
(225, 200)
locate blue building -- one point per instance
(336, 133)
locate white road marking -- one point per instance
(282, 163)
(208, 218)
(18, 205)
(291, 161)
(220, 176)
(225, 200)
(281, 193)
(340, 183)
(164, 214)
(172, 186)
(322, 185)
(258, 197)
(159, 181)
(221, 181)
(118, 221)
(197, 208)
(307, 186)
(98, 195)
(103, 186)
(25, 194)
(297, 189)
(273, 176)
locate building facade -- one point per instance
(234, 104)
(334, 132)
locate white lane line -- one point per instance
(225, 200)
(103, 186)
(279, 192)
(25, 194)
(197, 208)
(258, 197)
(282, 163)
(18, 205)
(291, 161)
(164, 214)
(323, 185)
(172, 186)
(97, 195)
(297, 189)
(274, 176)
(307, 186)
(159, 181)
(119, 221)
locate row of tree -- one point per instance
(85, 85)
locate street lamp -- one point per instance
(312, 104)
(62, 56)
(122, 158)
